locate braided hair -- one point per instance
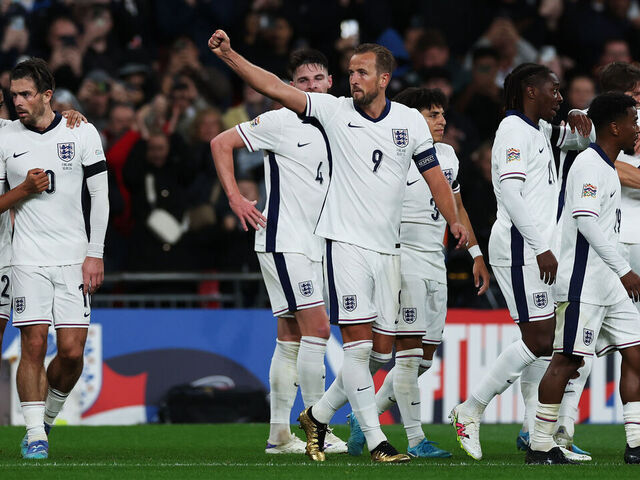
(524, 75)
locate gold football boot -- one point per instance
(315, 436)
(385, 453)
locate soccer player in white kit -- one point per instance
(595, 314)
(524, 179)
(423, 297)
(36, 182)
(54, 267)
(372, 143)
(297, 162)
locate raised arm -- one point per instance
(480, 271)
(36, 181)
(628, 174)
(222, 147)
(259, 79)
(443, 196)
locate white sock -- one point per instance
(405, 386)
(332, 401)
(385, 397)
(424, 366)
(53, 404)
(34, 420)
(631, 415)
(505, 370)
(282, 381)
(311, 370)
(529, 381)
(571, 398)
(545, 426)
(378, 360)
(358, 385)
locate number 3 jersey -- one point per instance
(423, 226)
(371, 158)
(5, 219)
(593, 189)
(49, 226)
(296, 166)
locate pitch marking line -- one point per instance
(44, 464)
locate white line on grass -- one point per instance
(45, 464)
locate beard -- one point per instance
(32, 117)
(365, 99)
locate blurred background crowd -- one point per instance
(140, 71)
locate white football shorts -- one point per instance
(294, 282)
(50, 296)
(5, 294)
(363, 286)
(528, 298)
(423, 308)
(585, 329)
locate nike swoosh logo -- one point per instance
(295, 384)
(16, 155)
(4, 304)
(611, 196)
(87, 314)
(361, 389)
(354, 126)
(541, 150)
(510, 381)
(303, 144)
(415, 403)
(391, 399)
(411, 183)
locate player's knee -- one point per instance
(34, 348)
(322, 330)
(70, 353)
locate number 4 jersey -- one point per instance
(297, 170)
(49, 227)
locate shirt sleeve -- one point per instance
(93, 159)
(424, 155)
(512, 152)
(584, 188)
(455, 183)
(263, 132)
(322, 106)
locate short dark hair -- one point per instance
(619, 77)
(37, 70)
(422, 98)
(307, 56)
(609, 107)
(524, 75)
(385, 63)
(483, 52)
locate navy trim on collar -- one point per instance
(54, 124)
(523, 117)
(384, 113)
(600, 152)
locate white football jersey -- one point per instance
(423, 226)
(296, 166)
(5, 219)
(49, 227)
(522, 150)
(630, 226)
(371, 158)
(593, 188)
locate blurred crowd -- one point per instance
(140, 71)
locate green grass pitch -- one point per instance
(237, 451)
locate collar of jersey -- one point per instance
(523, 117)
(54, 124)
(600, 152)
(384, 113)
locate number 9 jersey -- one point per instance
(49, 226)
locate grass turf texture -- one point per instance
(237, 451)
